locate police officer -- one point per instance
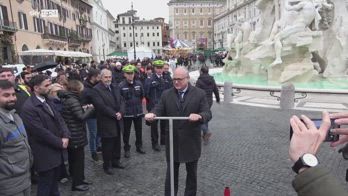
(133, 92)
(154, 87)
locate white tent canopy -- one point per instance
(141, 52)
(44, 52)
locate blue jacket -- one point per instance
(133, 95)
(154, 87)
(15, 155)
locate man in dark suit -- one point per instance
(48, 135)
(183, 100)
(110, 107)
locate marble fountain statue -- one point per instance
(293, 41)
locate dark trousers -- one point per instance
(138, 132)
(191, 178)
(48, 182)
(111, 150)
(154, 132)
(77, 165)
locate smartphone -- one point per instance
(330, 137)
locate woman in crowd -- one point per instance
(75, 115)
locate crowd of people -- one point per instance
(47, 121)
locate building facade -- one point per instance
(112, 34)
(99, 21)
(165, 31)
(70, 31)
(146, 33)
(192, 21)
(234, 12)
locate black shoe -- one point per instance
(127, 154)
(156, 147)
(140, 150)
(95, 156)
(87, 182)
(118, 165)
(81, 187)
(108, 171)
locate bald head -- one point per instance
(181, 78)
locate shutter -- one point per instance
(20, 20)
(25, 21)
(34, 19)
(5, 15)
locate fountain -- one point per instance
(299, 41)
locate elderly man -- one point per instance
(183, 100)
(110, 108)
(15, 153)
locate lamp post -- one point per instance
(135, 54)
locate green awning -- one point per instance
(117, 54)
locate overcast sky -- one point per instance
(148, 9)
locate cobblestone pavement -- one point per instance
(248, 152)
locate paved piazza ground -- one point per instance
(248, 152)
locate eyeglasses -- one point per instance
(179, 79)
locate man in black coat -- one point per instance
(207, 83)
(188, 101)
(110, 108)
(48, 135)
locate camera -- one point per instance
(330, 137)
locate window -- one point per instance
(193, 10)
(136, 34)
(124, 28)
(73, 16)
(193, 23)
(130, 28)
(157, 34)
(125, 44)
(209, 22)
(123, 21)
(23, 24)
(131, 44)
(25, 48)
(176, 11)
(130, 34)
(153, 43)
(148, 44)
(129, 20)
(185, 12)
(157, 27)
(201, 23)
(148, 34)
(136, 43)
(4, 15)
(153, 34)
(148, 27)
(158, 44)
(141, 34)
(124, 34)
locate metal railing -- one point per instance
(8, 26)
(46, 36)
(171, 148)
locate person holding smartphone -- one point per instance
(312, 179)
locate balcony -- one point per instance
(7, 26)
(54, 40)
(85, 38)
(47, 36)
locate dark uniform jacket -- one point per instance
(187, 135)
(154, 87)
(15, 156)
(107, 104)
(317, 181)
(74, 117)
(133, 95)
(22, 96)
(207, 83)
(45, 133)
